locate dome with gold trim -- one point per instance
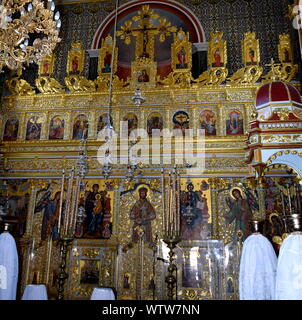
(276, 95)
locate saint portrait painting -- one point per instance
(11, 130)
(56, 128)
(131, 121)
(80, 127)
(234, 125)
(103, 121)
(155, 121)
(90, 270)
(208, 122)
(33, 129)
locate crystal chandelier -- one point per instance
(29, 31)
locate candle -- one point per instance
(61, 201)
(75, 208)
(163, 198)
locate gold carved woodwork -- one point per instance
(181, 51)
(251, 72)
(217, 60)
(77, 83)
(176, 79)
(214, 77)
(105, 57)
(46, 66)
(46, 84)
(246, 76)
(143, 73)
(17, 86)
(75, 58)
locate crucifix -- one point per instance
(150, 24)
(275, 72)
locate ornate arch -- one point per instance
(188, 17)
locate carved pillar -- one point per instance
(92, 131)
(246, 115)
(45, 126)
(195, 116)
(220, 121)
(22, 126)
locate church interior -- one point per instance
(101, 184)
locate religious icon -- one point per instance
(208, 122)
(98, 213)
(151, 285)
(142, 214)
(15, 198)
(130, 123)
(50, 215)
(103, 121)
(143, 76)
(234, 125)
(217, 58)
(155, 121)
(194, 213)
(230, 285)
(33, 129)
(181, 55)
(80, 127)
(107, 62)
(240, 210)
(191, 275)
(89, 271)
(75, 64)
(285, 55)
(251, 56)
(45, 67)
(126, 282)
(11, 130)
(56, 128)
(181, 121)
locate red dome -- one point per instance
(275, 92)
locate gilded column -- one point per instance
(45, 126)
(247, 112)
(92, 123)
(22, 126)
(220, 118)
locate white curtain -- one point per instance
(102, 294)
(289, 269)
(258, 266)
(35, 292)
(8, 267)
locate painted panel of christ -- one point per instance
(155, 121)
(33, 129)
(234, 125)
(80, 127)
(194, 214)
(56, 128)
(11, 130)
(142, 214)
(208, 122)
(103, 121)
(132, 121)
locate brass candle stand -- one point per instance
(171, 226)
(67, 230)
(63, 276)
(170, 279)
